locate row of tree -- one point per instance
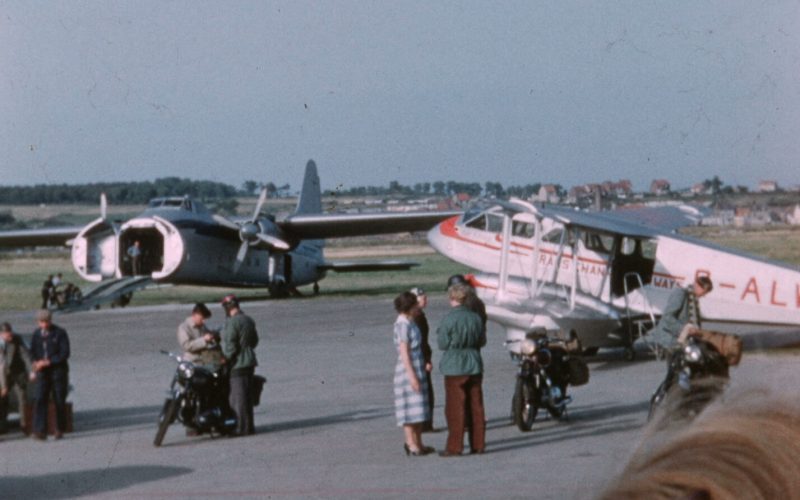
(117, 192)
(137, 193)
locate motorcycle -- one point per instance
(545, 370)
(198, 398)
(696, 374)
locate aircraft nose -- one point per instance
(438, 240)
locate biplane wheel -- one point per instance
(629, 354)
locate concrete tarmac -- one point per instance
(326, 425)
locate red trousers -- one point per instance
(464, 408)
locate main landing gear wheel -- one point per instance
(629, 354)
(316, 288)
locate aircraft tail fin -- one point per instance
(310, 201)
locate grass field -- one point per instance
(21, 280)
(21, 276)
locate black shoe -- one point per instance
(414, 453)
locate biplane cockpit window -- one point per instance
(478, 222)
(522, 229)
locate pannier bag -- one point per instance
(578, 371)
(728, 344)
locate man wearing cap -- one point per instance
(15, 368)
(421, 321)
(196, 340)
(49, 352)
(239, 341)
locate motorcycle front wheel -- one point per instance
(165, 418)
(524, 405)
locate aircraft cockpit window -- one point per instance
(522, 229)
(154, 203)
(478, 223)
(187, 204)
(172, 203)
(598, 242)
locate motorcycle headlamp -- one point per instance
(527, 347)
(692, 353)
(187, 369)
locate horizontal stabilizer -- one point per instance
(367, 266)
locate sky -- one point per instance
(513, 92)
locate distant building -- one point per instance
(767, 187)
(699, 189)
(793, 217)
(659, 187)
(548, 193)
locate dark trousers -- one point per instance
(464, 408)
(241, 401)
(55, 379)
(18, 390)
(136, 266)
(428, 424)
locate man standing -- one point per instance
(239, 340)
(47, 290)
(682, 309)
(49, 352)
(135, 253)
(15, 369)
(421, 321)
(195, 338)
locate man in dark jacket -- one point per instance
(15, 369)
(239, 341)
(49, 352)
(418, 315)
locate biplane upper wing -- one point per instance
(320, 226)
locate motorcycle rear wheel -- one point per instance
(166, 417)
(524, 406)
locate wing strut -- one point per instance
(503, 282)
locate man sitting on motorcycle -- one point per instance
(199, 344)
(680, 314)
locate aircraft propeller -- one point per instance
(252, 233)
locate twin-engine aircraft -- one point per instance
(181, 243)
(603, 278)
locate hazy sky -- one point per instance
(516, 92)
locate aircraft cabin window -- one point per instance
(649, 249)
(522, 229)
(553, 236)
(628, 246)
(598, 242)
(495, 223)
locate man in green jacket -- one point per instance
(682, 309)
(460, 336)
(239, 340)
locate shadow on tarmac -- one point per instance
(585, 421)
(115, 418)
(85, 482)
(351, 416)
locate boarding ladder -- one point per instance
(642, 325)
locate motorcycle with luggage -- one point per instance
(198, 399)
(697, 373)
(546, 367)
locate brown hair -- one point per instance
(404, 302)
(748, 447)
(458, 292)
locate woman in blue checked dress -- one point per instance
(410, 383)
